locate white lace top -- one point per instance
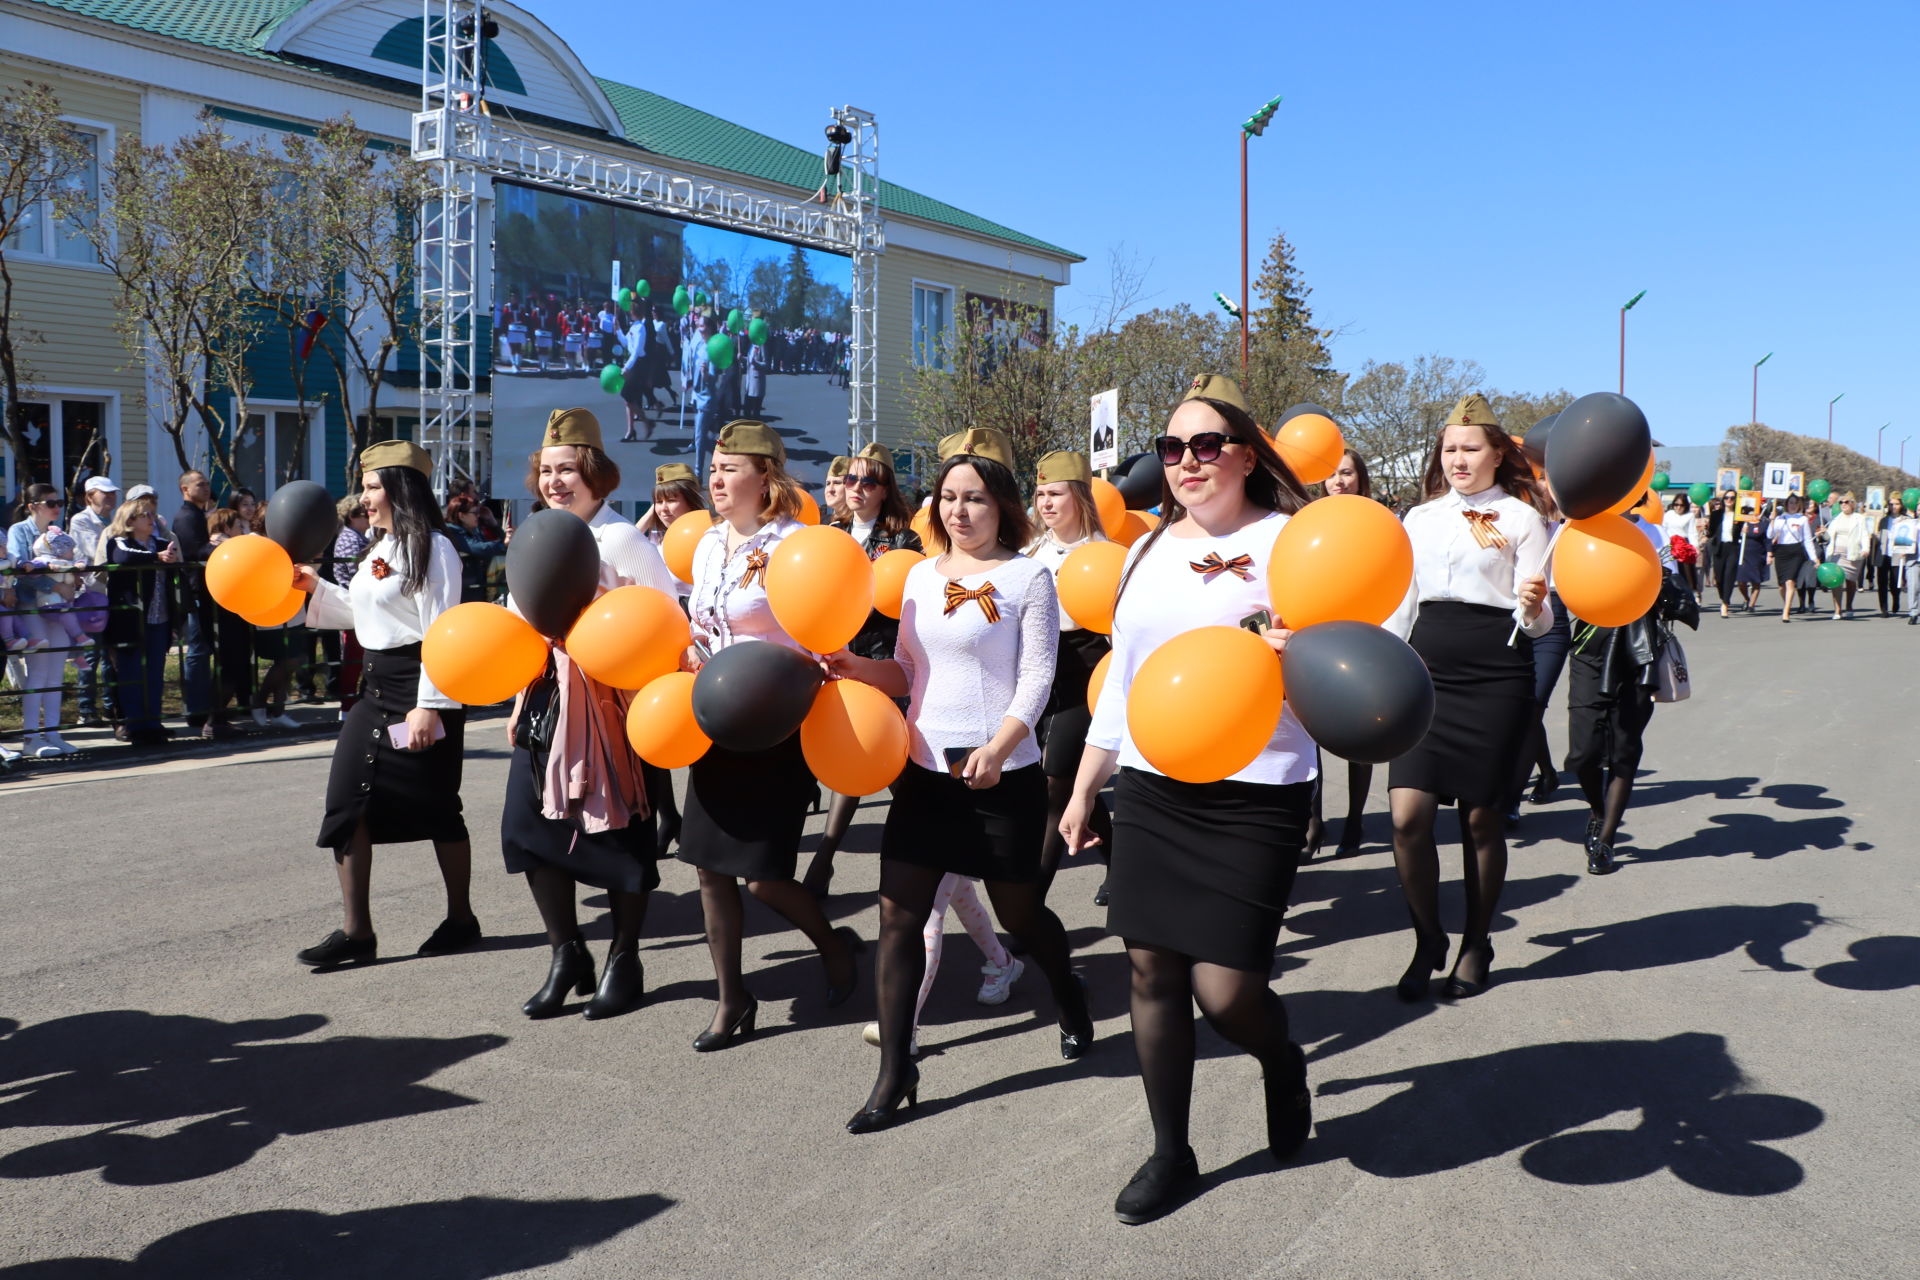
(729, 600)
(966, 673)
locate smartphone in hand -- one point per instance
(957, 758)
(1257, 622)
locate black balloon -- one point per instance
(1139, 481)
(301, 518)
(1597, 453)
(1303, 407)
(753, 695)
(1359, 690)
(1534, 443)
(553, 570)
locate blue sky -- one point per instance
(1486, 181)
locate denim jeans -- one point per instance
(196, 665)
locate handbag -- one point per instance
(1672, 681)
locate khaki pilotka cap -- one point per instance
(838, 467)
(396, 453)
(1217, 386)
(1472, 411)
(673, 472)
(1063, 465)
(978, 442)
(576, 427)
(751, 438)
(875, 452)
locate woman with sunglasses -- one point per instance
(1201, 872)
(1479, 557)
(45, 666)
(871, 508)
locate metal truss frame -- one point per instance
(456, 133)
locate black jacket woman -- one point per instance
(139, 616)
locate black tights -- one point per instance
(554, 893)
(1059, 792)
(1237, 1003)
(839, 818)
(1483, 857)
(725, 918)
(906, 899)
(1606, 795)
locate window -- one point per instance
(66, 441)
(271, 449)
(41, 234)
(932, 313)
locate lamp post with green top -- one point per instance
(1252, 127)
(1623, 338)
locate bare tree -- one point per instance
(1393, 412)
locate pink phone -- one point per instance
(398, 735)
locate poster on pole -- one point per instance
(1776, 479)
(1103, 436)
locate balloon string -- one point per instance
(1514, 637)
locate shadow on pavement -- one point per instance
(1878, 964)
(1675, 937)
(467, 1239)
(240, 1091)
(1365, 904)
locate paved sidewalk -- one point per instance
(1701, 1066)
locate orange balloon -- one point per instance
(282, 613)
(683, 538)
(249, 574)
(1606, 571)
(890, 579)
(854, 738)
(1651, 510)
(1089, 579)
(1098, 680)
(1111, 506)
(480, 653)
(922, 524)
(1636, 494)
(629, 637)
(809, 509)
(1204, 704)
(820, 587)
(1310, 445)
(1343, 558)
(1132, 529)
(660, 724)
(1149, 519)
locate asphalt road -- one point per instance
(1700, 1066)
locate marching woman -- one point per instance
(576, 810)
(1751, 576)
(1063, 501)
(1790, 539)
(978, 627)
(1201, 872)
(1723, 543)
(834, 490)
(396, 767)
(676, 491)
(1349, 477)
(872, 509)
(746, 809)
(1479, 556)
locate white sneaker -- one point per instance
(18, 644)
(286, 721)
(53, 738)
(7, 754)
(37, 747)
(35, 644)
(85, 642)
(998, 982)
(260, 716)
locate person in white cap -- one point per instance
(87, 528)
(160, 523)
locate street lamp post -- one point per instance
(1836, 400)
(1252, 127)
(1903, 452)
(1755, 419)
(1877, 436)
(1623, 338)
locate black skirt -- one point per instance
(403, 795)
(619, 861)
(745, 811)
(994, 833)
(1063, 729)
(1205, 868)
(1483, 703)
(1789, 558)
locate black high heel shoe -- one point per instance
(839, 993)
(1353, 834)
(669, 834)
(1316, 835)
(874, 1119)
(1459, 988)
(1074, 1044)
(1289, 1105)
(572, 970)
(713, 1041)
(623, 986)
(1429, 958)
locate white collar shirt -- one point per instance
(729, 599)
(1450, 564)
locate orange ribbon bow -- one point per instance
(1481, 522)
(756, 563)
(958, 595)
(1240, 567)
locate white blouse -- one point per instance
(1450, 564)
(725, 604)
(1792, 528)
(1165, 596)
(1677, 524)
(656, 538)
(381, 614)
(627, 558)
(965, 673)
(1052, 553)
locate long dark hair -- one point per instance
(416, 518)
(36, 493)
(1015, 529)
(1359, 472)
(1270, 485)
(895, 516)
(1513, 473)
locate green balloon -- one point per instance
(1820, 490)
(682, 303)
(701, 298)
(720, 351)
(1831, 576)
(758, 331)
(735, 323)
(644, 289)
(625, 299)
(612, 380)
(1659, 482)
(1700, 493)
(1911, 497)
(1746, 482)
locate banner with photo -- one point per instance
(666, 330)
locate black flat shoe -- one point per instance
(1544, 789)
(1600, 858)
(571, 971)
(1289, 1105)
(1459, 988)
(337, 949)
(874, 1119)
(1100, 895)
(623, 987)
(1074, 1044)
(1162, 1185)
(1429, 958)
(839, 993)
(451, 936)
(742, 1028)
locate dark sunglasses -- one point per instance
(55, 503)
(1206, 447)
(863, 482)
